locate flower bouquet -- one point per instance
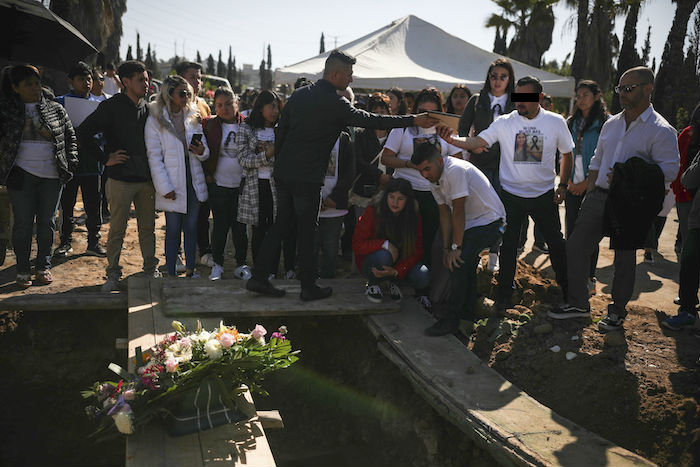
(189, 378)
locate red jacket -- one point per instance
(365, 241)
(682, 194)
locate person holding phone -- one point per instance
(176, 149)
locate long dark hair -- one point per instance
(429, 94)
(599, 111)
(398, 92)
(401, 229)
(449, 107)
(503, 63)
(256, 119)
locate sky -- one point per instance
(294, 31)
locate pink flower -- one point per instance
(129, 395)
(185, 342)
(171, 365)
(258, 332)
(277, 335)
(227, 340)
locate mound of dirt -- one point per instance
(639, 388)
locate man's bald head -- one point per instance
(643, 74)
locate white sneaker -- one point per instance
(216, 272)
(207, 260)
(289, 275)
(111, 285)
(493, 265)
(271, 277)
(243, 272)
(179, 265)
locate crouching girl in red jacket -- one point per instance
(388, 243)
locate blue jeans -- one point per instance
(418, 277)
(177, 223)
(38, 199)
(463, 294)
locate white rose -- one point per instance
(202, 336)
(213, 349)
(123, 422)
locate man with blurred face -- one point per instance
(121, 120)
(637, 131)
(529, 138)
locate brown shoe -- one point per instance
(44, 277)
(24, 281)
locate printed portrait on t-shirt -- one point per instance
(34, 130)
(422, 139)
(228, 149)
(529, 144)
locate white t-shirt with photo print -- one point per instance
(330, 181)
(267, 135)
(403, 141)
(228, 170)
(461, 179)
(528, 150)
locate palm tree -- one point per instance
(533, 21)
(628, 53)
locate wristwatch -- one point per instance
(455, 247)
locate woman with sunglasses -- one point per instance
(225, 173)
(176, 148)
(481, 110)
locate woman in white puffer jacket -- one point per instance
(176, 166)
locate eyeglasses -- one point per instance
(494, 77)
(626, 89)
(184, 93)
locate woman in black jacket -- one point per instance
(38, 155)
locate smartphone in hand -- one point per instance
(196, 139)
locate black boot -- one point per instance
(315, 293)
(264, 287)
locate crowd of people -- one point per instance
(315, 174)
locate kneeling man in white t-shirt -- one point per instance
(472, 218)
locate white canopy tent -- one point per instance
(412, 54)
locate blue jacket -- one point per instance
(588, 143)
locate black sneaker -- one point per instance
(315, 293)
(63, 250)
(612, 322)
(567, 311)
(263, 287)
(443, 327)
(543, 248)
(96, 250)
(374, 293)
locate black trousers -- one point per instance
(545, 213)
(203, 240)
(92, 202)
(298, 200)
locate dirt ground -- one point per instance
(640, 389)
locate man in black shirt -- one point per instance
(121, 119)
(310, 123)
